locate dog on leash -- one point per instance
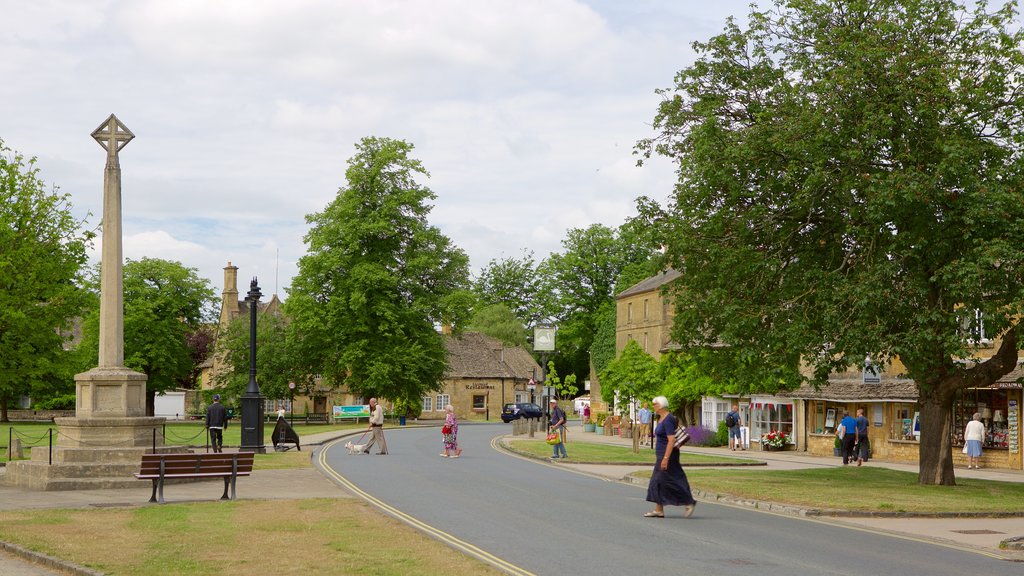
(355, 448)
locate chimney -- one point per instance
(229, 298)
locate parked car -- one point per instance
(515, 410)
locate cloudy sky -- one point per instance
(525, 113)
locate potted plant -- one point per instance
(600, 419)
(837, 447)
(774, 440)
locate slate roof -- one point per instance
(475, 355)
(650, 284)
(850, 388)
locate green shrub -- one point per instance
(65, 402)
(722, 436)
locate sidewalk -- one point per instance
(985, 534)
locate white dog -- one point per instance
(355, 448)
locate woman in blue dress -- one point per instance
(668, 486)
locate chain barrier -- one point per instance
(180, 440)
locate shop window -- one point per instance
(905, 422)
(991, 404)
(766, 416)
(825, 416)
(479, 401)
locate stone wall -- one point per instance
(38, 415)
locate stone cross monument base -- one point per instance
(103, 444)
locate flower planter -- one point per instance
(589, 427)
(599, 430)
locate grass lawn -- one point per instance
(877, 489)
(598, 453)
(239, 538)
(188, 433)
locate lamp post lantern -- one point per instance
(252, 400)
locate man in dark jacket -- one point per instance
(216, 422)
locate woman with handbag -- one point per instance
(668, 486)
(450, 433)
(557, 427)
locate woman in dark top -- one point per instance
(668, 486)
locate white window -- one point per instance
(426, 404)
(974, 325)
(442, 401)
(713, 411)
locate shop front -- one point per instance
(894, 429)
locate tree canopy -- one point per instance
(378, 280)
(275, 365)
(165, 302)
(849, 185)
(43, 256)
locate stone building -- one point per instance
(483, 374)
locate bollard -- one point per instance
(14, 451)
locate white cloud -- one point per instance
(245, 112)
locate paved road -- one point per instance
(531, 517)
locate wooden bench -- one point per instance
(159, 467)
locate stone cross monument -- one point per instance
(101, 445)
(110, 390)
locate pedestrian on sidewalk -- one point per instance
(216, 422)
(847, 433)
(450, 433)
(377, 427)
(668, 485)
(557, 425)
(644, 415)
(862, 444)
(586, 413)
(732, 424)
(974, 434)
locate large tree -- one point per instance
(165, 302)
(584, 278)
(849, 185)
(514, 283)
(378, 280)
(43, 255)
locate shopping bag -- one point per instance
(553, 438)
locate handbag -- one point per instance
(682, 437)
(965, 447)
(446, 429)
(553, 438)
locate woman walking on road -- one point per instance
(450, 433)
(668, 486)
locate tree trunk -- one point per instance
(936, 446)
(3, 410)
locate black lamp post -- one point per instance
(252, 400)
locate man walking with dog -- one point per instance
(377, 427)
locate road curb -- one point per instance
(47, 561)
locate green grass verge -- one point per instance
(864, 489)
(598, 453)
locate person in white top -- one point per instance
(974, 434)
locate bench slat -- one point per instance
(159, 467)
